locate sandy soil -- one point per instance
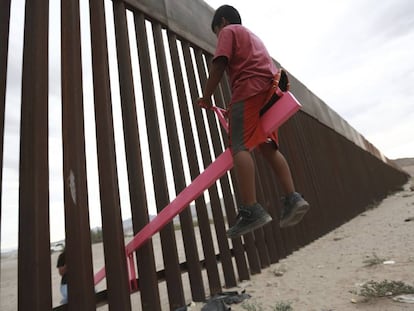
(323, 275)
(319, 277)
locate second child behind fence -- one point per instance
(253, 76)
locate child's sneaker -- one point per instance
(249, 219)
(295, 207)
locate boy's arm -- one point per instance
(216, 73)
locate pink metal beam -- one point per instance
(282, 110)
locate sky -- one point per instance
(355, 55)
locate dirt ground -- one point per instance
(323, 276)
(329, 274)
(326, 274)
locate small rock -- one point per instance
(409, 298)
(389, 262)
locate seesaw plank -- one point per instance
(281, 111)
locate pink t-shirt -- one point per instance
(250, 66)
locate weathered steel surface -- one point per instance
(34, 276)
(189, 19)
(113, 236)
(169, 248)
(78, 239)
(4, 39)
(150, 299)
(211, 264)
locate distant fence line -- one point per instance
(337, 170)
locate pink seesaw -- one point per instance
(272, 119)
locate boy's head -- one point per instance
(225, 15)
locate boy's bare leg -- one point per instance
(279, 165)
(251, 214)
(295, 207)
(245, 170)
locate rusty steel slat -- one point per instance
(248, 238)
(308, 159)
(202, 215)
(113, 235)
(324, 184)
(288, 144)
(330, 195)
(4, 47)
(186, 18)
(225, 254)
(265, 196)
(168, 242)
(186, 219)
(271, 199)
(34, 274)
(304, 185)
(191, 151)
(300, 175)
(78, 239)
(321, 149)
(317, 149)
(147, 273)
(228, 197)
(340, 195)
(259, 234)
(225, 87)
(314, 158)
(248, 243)
(355, 202)
(214, 278)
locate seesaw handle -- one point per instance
(219, 112)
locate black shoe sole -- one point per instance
(296, 216)
(251, 227)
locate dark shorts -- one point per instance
(245, 130)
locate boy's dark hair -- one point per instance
(229, 13)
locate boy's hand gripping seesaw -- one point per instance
(272, 119)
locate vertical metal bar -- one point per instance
(265, 196)
(214, 278)
(294, 156)
(186, 219)
(309, 159)
(203, 223)
(288, 234)
(272, 193)
(293, 153)
(249, 246)
(304, 177)
(4, 47)
(150, 297)
(228, 197)
(225, 254)
(249, 243)
(168, 243)
(316, 151)
(114, 247)
(34, 276)
(263, 236)
(78, 238)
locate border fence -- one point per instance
(163, 51)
